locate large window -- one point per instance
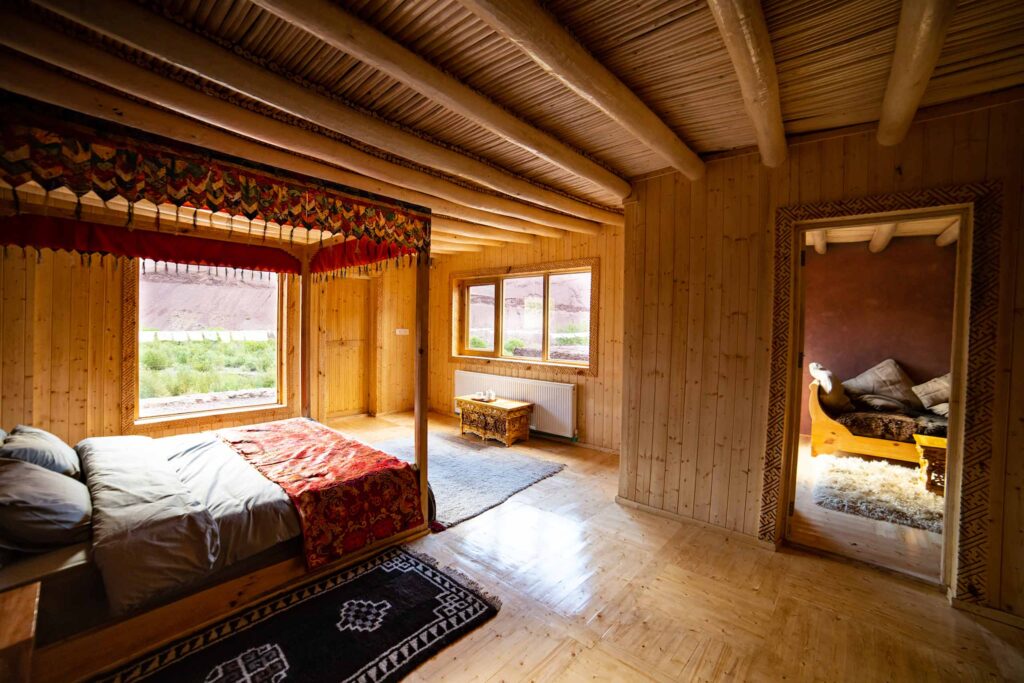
(539, 315)
(208, 339)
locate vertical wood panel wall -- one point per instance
(599, 399)
(698, 307)
(395, 308)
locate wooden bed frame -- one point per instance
(86, 654)
(828, 436)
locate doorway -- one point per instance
(876, 313)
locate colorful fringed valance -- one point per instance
(357, 253)
(62, 154)
(84, 237)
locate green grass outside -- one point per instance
(174, 368)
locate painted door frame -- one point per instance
(970, 522)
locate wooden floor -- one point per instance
(592, 590)
(902, 548)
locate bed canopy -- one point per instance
(346, 229)
(352, 229)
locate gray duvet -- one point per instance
(168, 512)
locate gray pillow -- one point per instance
(40, 509)
(885, 379)
(41, 448)
(830, 392)
(940, 409)
(884, 404)
(934, 391)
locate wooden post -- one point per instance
(420, 408)
(19, 607)
(305, 332)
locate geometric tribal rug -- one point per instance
(371, 623)
(469, 476)
(877, 489)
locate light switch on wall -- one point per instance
(402, 331)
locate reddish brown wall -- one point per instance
(862, 308)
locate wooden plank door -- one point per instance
(344, 311)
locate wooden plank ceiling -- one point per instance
(832, 59)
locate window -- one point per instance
(208, 339)
(536, 315)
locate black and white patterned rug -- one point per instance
(373, 622)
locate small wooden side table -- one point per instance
(501, 419)
(931, 451)
(19, 607)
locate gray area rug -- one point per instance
(470, 476)
(878, 489)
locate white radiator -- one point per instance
(554, 403)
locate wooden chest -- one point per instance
(501, 419)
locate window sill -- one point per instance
(547, 366)
(156, 422)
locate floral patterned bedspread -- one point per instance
(346, 493)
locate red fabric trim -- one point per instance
(347, 494)
(357, 252)
(84, 237)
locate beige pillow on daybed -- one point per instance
(885, 379)
(934, 391)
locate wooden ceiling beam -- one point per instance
(881, 237)
(443, 238)
(820, 241)
(949, 234)
(386, 178)
(457, 227)
(346, 32)
(919, 39)
(745, 33)
(543, 39)
(133, 25)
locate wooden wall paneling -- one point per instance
(1006, 160)
(95, 378)
(759, 298)
(711, 348)
(42, 339)
(663, 355)
(78, 367)
(60, 356)
(724, 385)
(113, 344)
(15, 300)
(681, 226)
(649, 343)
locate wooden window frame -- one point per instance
(133, 423)
(459, 287)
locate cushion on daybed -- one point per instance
(941, 409)
(830, 391)
(892, 426)
(41, 509)
(41, 448)
(885, 379)
(877, 402)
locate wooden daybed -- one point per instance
(828, 436)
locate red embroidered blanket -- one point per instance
(347, 494)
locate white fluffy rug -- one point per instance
(879, 490)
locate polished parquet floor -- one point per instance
(592, 590)
(902, 548)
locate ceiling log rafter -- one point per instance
(919, 38)
(745, 33)
(340, 29)
(537, 33)
(146, 31)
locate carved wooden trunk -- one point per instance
(501, 419)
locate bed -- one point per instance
(176, 515)
(875, 433)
